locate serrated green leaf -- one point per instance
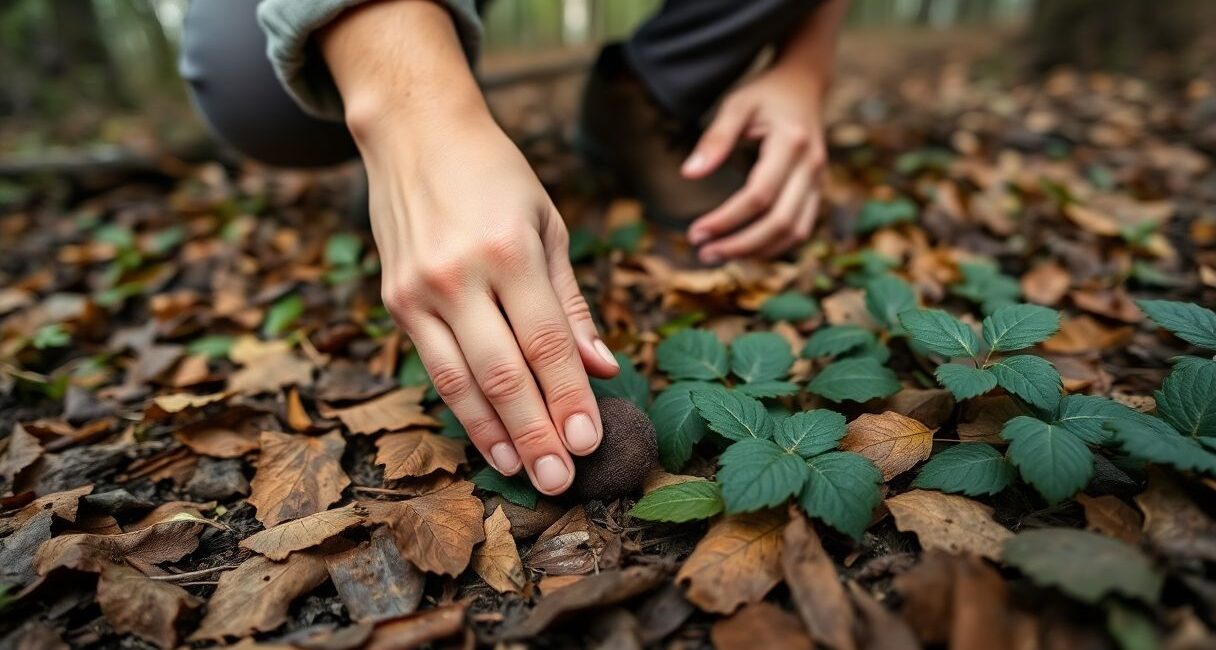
(767, 389)
(790, 306)
(1015, 327)
(1154, 440)
(677, 424)
(835, 340)
(343, 249)
(627, 384)
(760, 356)
(887, 297)
(984, 284)
(282, 315)
(1187, 399)
(810, 433)
(854, 379)
(516, 489)
(972, 468)
(875, 349)
(687, 501)
(965, 381)
(1031, 378)
(1087, 566)
(693, 354)
(1048, 457)
(733, 415)
(940, 332)
(842, 491)
(877, 214)
(759, 474)
(1194, 324)
(1085, 416)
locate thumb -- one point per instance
(717, 141)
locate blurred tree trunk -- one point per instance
(1110, 34)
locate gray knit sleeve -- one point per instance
(289, 25)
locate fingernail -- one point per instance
(694, 163)
(581, 436)
(601, 349)
(551, 473)
(506, 461)
(696, 237)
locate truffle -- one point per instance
(627, 453)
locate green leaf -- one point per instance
(1085, 416)
(677, 424)
(1187, 399)
(627, 384)
(767, 389)
(516, 489)
(791, 306)
(1031, 378)
(692, 354)
(627, 237)
(50, 336)
(583, 244)
(1194, 324)
(855, 379)
(1087, 566)
(940, 332)
(1015, 327)
(971, 468)
(760, 356)
(1048, 457)
(343, 249)
(842, 491)
(759, 474)
(733, 415)
(836, 339)
(965, 381)
(412, 372)
(451, 426)
(282, 315)
(887, 297)
(687, 501)
(879, 214)
(212, 346)
(810, 433)
(874, 349)
(1154, 440)
(984, 284)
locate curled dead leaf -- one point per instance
(497, 559)
(133, 603)
(306, 532)
(437, 531)
(895, 443)
(297, 475)
(949, 522)
(737, 562)
(418, 453)
(254, 597)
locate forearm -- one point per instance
(812, 48)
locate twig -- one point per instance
(194, 574)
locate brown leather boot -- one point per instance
(622, 131)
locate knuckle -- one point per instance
(504, 381)
(760, 196)
(442, 276)
(400, 298)
(550, 343)
(451, 382)
(801, 233)
(534, 438)
(482, 430)
(505, 249)
(798, 136)
(577, 309)
(566, 396)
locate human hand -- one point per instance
(775, 209)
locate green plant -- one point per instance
(877, 214)
(984, 284)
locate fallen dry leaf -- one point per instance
(895, 443)
(1111, 303)
(881, 630)
(1173, 523)
(601, 590)
(437, 531)
(231, 434)
(572, 545)
(815, 587)
(418, 453)
(268, 367)
(64, 505)
(1046, 284)
(932, 407)
(393, 411)
(418, 629)
(497, 559)
(737, 562)
(1109, 515)
(949, 522)
(1084, 334)
(374, 581)
(164, 542)
(760, 625)
(306, 532)
(297, 475)
(254, 597)
(135, 604)
(22, 450)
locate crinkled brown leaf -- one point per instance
(22, 450)
(737, 562)
(297, 475)
(497, 559)
(949, 522)
(135, 604)
(418, 453)
(895, 443)
(595, 591)
(374, 580)
(267, 367)
(815, 587)
(306, 532)
(1173, 523)
(572, 545)
(419, 629)
(760, 625)
(254, 597)
(437, 531)
(1109, 515)
(393, 411)
(164, 542)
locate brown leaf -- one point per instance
(374, 580)
(760, 625)
(231, 434)
(959, 599)
(437, 531)
(497, 559)
(930, 406)
(18, 550)
(601, 590)
(297, 475)
(418, 453)
(1046, 284)
(64, 505)
(1109, 515)
(165, 542)
(394, 411)
(22, 450)
(848, 307)
(572, 545)
(984, 417)
(815, 588)
(254, 597)
(295, 414)
(164, 405)
(306, 532)
(1084, 334)
(169, 510)
(268, 366)
(895, 443)
(927, 596)
(881, 630)
(949, 522)
(132, 603)
(1173, 523)
(737, 562)
(419, 629)
(1111, 303)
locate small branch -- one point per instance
(194, 574)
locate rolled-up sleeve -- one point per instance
(297, 61)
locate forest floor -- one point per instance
(977, 410)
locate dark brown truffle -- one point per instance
(625, 456)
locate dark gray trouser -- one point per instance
(687, 54)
